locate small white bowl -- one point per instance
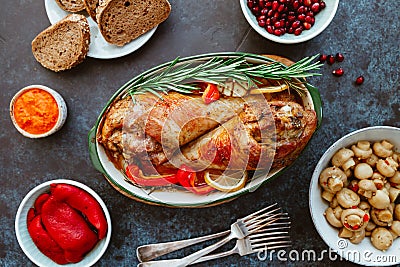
(364, 253)
(25, 240)
(322, 20)
(62, 111)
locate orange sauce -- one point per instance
(36, 111)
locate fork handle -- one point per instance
(188, 259)
(152, 251)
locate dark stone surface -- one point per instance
(366, 32)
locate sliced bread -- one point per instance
(91, 6)
(71, 5)
(64, 44)
(121, 21)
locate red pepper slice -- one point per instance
(210, 94)
(136, 175)
(193, 181)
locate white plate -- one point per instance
(364, 253)
(99, 48)
(182, 198)
(322, 21)
(25, 240)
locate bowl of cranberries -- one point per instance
(289, 21)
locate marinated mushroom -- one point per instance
(347, 198)
(382, 217)
(381, 238)
(332, 179)
(328, 196)
(354, 219)
(366, 188)
(343, 158)
(362, 150)
(385, 168)
(397, 212)
(332, 219)
(395, 179)
(345, 233)
(363, 171)
(357, 237)
(364, 205)
(372, 160)
(393, 193)
(380, 200)
(383, 149)
(370, 226)
(395, 228)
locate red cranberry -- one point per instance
(339, 57)
(307, 2)
(330, 59)
(275, 5)
(298, 30)
(338, 72)
(307, 25)
(322, 58)
(360, 80)
(315, 7)
(322, 5)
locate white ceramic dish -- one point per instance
(322, 20)
(364, 253)
(182, 198)
(62, 111)
(26, 243)
(99, 48)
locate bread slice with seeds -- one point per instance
(71, 5)
(91, 6)
(64, 44)
(121, 21)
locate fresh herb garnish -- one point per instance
(182, 77)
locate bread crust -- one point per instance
(74, 6)
(46, 46)
(133, 19)
(91, 7)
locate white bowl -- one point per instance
(364, 253)
(25, 240)
(62, 111)
(322, 20)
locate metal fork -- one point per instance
(267, 240)
(152, 251)
(240, 229)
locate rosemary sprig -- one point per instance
(181, 78)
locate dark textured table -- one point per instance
(366, 32)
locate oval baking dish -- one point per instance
(182, 198)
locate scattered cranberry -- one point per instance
(338, 72)
(322, 58)
(330, 59)
(360, 80)
(285, 16)
(339, 57)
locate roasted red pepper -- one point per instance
(39, 202)
(68, 229)
(211, 93)
(44, 242)
(193, 181)
(136, 175)
(83, 202)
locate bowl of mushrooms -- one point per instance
(355, 196)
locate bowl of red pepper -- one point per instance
(63, 222)
(38, 111)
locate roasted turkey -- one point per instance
(250, 133)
